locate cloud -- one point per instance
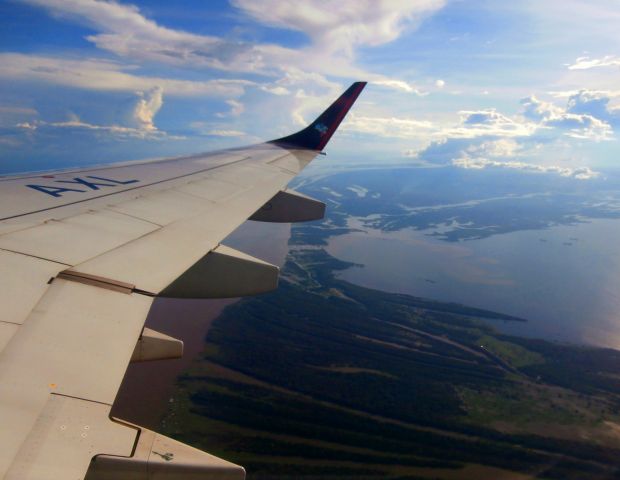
(341, 26)
(147, 107)
(595, 104)
(334, 32)
(74, 123)
(490, 139)
(472, 124)
(394, 127)
(103, 75)
(398, 85)
(440, 83)
(142, 117)
(489, 122)
(226, 133)
(275, 90)
(538, 110)
(585, 116)
(236, 109)
(585, 63)
(579, 173)
(485, 153)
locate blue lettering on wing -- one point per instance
(90, 182)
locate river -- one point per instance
(564, 280)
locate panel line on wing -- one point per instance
(35, 256)
(126, 190)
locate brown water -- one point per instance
(147, 387)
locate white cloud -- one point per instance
(147, 107)
(226, 133)
(276, 90)
(236, 108)
(538, 110)
(439, 83)
(479, 163)
(398, 85)
(595, 104)
(585, 116)
(585, 63)
(472, 124)
(489, 122)
(75, 123)
(335, 30)
(478, 154)
(142, 117)
(93, 74)
(341, 26)
(405, 128)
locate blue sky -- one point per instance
(522, 85)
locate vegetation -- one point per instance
(323, 378)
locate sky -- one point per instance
(477, 84)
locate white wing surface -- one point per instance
(83, 253)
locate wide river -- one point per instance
(564, 280)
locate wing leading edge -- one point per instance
(111, 239)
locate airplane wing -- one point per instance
(84, 253)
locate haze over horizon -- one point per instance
(477, 84)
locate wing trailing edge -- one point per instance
(316, 135)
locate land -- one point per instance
(323, 378)
(326, 379)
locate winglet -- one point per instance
(316, 135)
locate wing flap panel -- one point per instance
(163, 208)
(76, 342)
(64, 438)
(224, 273)
(161, 458)
(28, 283)
(290, 206)
(76, 239)
(154, 261)
(153, 345)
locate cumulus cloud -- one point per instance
(485, 153)
(585, 63)
(595, 104)
(471, 124)
(585, 116)
(142, 118)
(538, 110)
(146, 108)
(236, 109)
(489, 122)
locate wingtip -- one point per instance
(316, 135)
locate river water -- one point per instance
(564, 280)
